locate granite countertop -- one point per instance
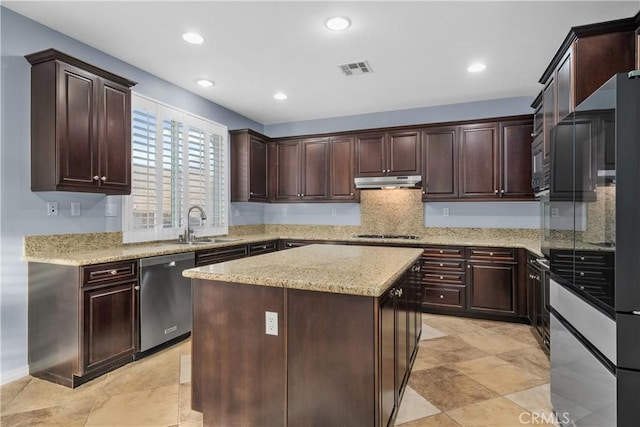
(341, 269)
(136, 251)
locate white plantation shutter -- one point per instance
(179, 160)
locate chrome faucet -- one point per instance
(188, 232)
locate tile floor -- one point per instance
(467, 373)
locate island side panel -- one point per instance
(332, 350)
(238, 372)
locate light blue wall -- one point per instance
(23, 212)
(436, 114)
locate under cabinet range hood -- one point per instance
(380, 182)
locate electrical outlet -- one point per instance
(52, 208)
(333, 212)
(75, 208)
(445, 211)
(555, 212)
(110, 209)
(271, 322)
(236, 212)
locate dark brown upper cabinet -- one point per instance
(388, 153)
(495, 160)
(80, 126)
(249, 167)
(342, 172)
(300, 169)
(440, 163)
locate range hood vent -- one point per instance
(379, 182)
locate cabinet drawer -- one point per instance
(109, 272)
(453, 297)
(262, 248)
(443, 252)
(213, 256)
(435, 265)
(582, 258)
(443, 277)
(492, 254)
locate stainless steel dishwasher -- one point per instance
(165, 299)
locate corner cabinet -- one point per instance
(83, 321)
(249, 167)
(80, 126)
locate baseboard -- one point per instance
(14, 374)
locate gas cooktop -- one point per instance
(387, 236)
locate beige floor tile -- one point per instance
(439, 420)
(500, 376)
(413, 407)
(9, 391)
(492, 342)
(429, 332)
(157, 407)
(186, 413)
(39, 394)
(192, 423)
(531, 359)
(536, 399)
(499, 412)
(451, 325)
(68, 414)
(158, 370)
(185, 346)
(185, 368)
(446, 388)
(517, 332)
(450, 349)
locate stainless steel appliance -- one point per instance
(377, 182)
(539, 169)
(165, 299)
(593, 239)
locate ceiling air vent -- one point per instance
(355, 68)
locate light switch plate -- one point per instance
(110, 209)
(75, 208)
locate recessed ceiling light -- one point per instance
(477, 67)
(193, 38)
(338, 23)
(205, 83)
(280, 96)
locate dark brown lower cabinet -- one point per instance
(492, 288)
(83, 321)
(337, 359)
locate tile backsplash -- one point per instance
(393, 211)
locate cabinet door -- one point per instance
(387, 359)
(114, 143)
(287, 170)
(564, 98)
(516, 160)
(315, 169)
(258, 172)
(109, 324)
(550, 117)
(342, 169)
(479, 161)
(402, 338)
(440, 163)
(403, 153)
(492, 288)
(76, 127)
(370, 159)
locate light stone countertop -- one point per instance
(341, 269)
(137, 251)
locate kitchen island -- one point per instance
(317, 335)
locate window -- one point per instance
(179, 160)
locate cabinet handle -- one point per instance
(103, 179)
(302, 195)
(351, 194)
(502, 191)
(533, 135)
(137, 288)
(441, 252)
(113, 272)
(581, 258)
(468, 266)
(251, 193)
(495, 191)
(582, 273)
(441, 296)
(441, 277)
(441, 265)
(96, 177)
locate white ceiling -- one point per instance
(419, 51)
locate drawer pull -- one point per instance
(441, 296)
(113, 272)
(441, 252)
(490, 253)
(581, 258)
(582, 273)
(441, 265)
(137, 288)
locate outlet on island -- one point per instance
(271, 323)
